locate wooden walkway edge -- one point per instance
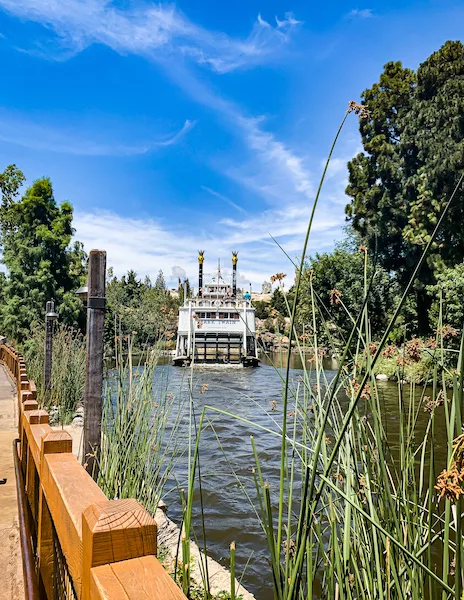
(11, 572)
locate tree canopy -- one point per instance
(413, 156)
(135, 307)
(41, 263)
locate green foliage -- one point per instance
(35, 237)
(261, 308)
(180, 290)
(68, 370)
(138, 446)
(338, 281)
(278, 302)
(133, 307)
(413, 155)
(450, 290)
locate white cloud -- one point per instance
(147, 245)
(364, 13)
(271, 168)
(19, 129)
(275, 171)
(223, 198)
(151, 30)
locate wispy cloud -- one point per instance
(152, 30)
(20, 129)
(223, 199)
(159, 31)
(363, 13)
(259, 255)
(276, 172)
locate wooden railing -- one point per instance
(86, 546)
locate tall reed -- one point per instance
(68, 371)
(355, 515)
(140, 422)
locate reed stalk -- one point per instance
(366, 521)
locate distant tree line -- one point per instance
(144, 310)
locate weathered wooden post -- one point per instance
(94, 359)
(50, 318)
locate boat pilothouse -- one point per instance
(218, 325)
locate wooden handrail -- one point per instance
(109, 546)
(31, 585)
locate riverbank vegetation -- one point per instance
(355, 513)
(140, 442)
(66, 392)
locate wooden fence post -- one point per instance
(114, 531)
(94, 360)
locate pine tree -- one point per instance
(35, 240)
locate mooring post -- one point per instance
(94, 360)
(50, 318)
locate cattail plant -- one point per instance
(139, 428)
(68, 371)
(356, 515)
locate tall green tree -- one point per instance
(35, 238)
(413, 155)
(338, 282)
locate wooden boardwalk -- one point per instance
(11, 575)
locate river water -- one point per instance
(250, 394)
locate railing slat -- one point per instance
(137, 579)
(109, 546)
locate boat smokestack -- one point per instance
(201, 258)
(234, 273)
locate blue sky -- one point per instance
(174, 127)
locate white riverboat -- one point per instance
(218, 325)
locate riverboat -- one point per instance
(217, 326)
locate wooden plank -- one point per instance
(69, 490)
(33, 389)
(34, 433)
(104, 585)
(56, 442)
(45, 550)
(30, 405)
(37, 416)
(32, 483)
(115, 530)
(136, 579)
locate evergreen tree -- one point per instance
(160, 283)
(35, 240)
(413, 155)
(277, 302)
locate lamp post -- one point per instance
(93, 294)
(50, 318)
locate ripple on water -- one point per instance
(246, 393)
